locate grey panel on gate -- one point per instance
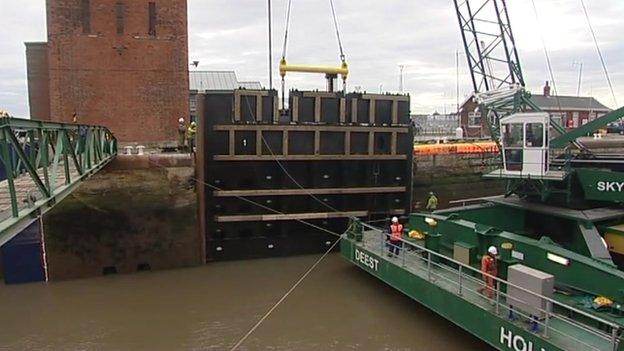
(405, 143)
(383, 143)
(272, 143)
(363, 108)
(332, 143)
(248, 108)
(404, 113)
(301, 143)
(245, 142)
(535, 281)
(267, 108)
(218, 107)
(306, 109)
(383, 112)
(359, 143)
(330, 110)
(219, 143)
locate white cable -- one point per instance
(602, 61)
(256, 203)
(279, 302)
(283, 168)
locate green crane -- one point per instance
(538, 155)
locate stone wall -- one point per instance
(453, 177)
(448, 168)
(133, 215)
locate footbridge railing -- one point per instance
(43, 162)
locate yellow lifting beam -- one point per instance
(343, 70)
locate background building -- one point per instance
(119, 63)
(569, 111)
(435, 125)
(214, 81)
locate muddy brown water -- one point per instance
(338, 307)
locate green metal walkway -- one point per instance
(42, 163)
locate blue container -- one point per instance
(22, 257)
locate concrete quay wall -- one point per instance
(138, 213)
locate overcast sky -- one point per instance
(378, 36)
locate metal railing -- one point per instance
(432, 265)
(42, 162)
(474, 201)
(554, 163)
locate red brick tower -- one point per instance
(119, 63)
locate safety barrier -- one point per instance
(456, 148)
(432, 266)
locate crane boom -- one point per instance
(489, 43)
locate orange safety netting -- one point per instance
(487, 147)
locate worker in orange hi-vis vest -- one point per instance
(395, 243)
(489, 266)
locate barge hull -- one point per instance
(494, 329)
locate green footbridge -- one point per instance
(42, 163)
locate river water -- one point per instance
(338, 307)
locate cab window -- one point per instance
(512, 135)
(534, 135)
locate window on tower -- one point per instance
(152, 19)
(85, 15)
(119, 15)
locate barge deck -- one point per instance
(453, 290)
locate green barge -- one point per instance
(559, 229)
(442, 273)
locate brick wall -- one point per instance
(133, 82)
(38, 80)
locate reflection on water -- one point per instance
(338, 307)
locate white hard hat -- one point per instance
(181, 120)
(395, 220)
(492, 250)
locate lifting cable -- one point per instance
(576, 143)
(285, 296)
(285, 45)
(602, 61)
(284, 168)
(243, 198)
(309, 270)
(342, 55)
(548, 62)
(337, 29)
(298, 282)
(286, 28)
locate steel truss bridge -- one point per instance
(43, 162)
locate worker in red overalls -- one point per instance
(396, 231)
(489, 266)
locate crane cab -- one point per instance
(524, 142)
